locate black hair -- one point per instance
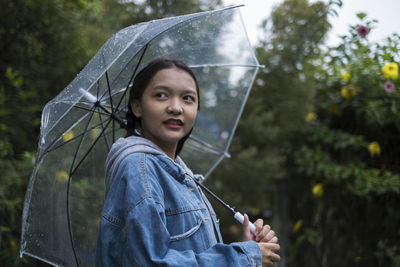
(142, 80)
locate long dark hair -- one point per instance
(140, 83)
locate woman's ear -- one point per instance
(136, 108)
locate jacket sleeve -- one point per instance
(147, 243)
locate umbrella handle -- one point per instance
(240, 218)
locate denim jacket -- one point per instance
(155, 215)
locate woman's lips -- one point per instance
(173, 123)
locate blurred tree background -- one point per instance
(316, 153)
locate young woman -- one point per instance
(154, 213)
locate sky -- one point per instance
(385, 11)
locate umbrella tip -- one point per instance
(227, 155)
(88, 95)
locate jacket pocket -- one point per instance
(187, 233)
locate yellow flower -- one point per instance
(68, 136)
(349, 92)
(297, 226)
(374, 148)
(318, 190)
(391, 71)
(62, 176)
(345, 93)
(310, 117)
(346, 76)
(357, 259)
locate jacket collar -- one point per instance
(176, 168)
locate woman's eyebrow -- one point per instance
(164, 87)
(189, 91)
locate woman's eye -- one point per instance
(161, 95)
(189, 98)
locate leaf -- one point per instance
(361, 15)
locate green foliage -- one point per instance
(13, 179)
(319, 146)
(349, 146)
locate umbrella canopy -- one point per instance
(65, 195)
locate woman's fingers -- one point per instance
(269, 253)
(269, 247)
(268, 236)
(247, 235)
(259, 225)
(265, 233)
(273, 240)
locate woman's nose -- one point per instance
(174, 107)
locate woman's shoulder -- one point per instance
(140, 161)
(141, 169)
(132, 184)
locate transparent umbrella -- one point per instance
(65, 195)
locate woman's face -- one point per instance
(168, 108)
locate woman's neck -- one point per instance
(168, 149)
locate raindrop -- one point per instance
(260, 82)
(224, 135)
(233, 93)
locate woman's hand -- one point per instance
(263, 232)
(269, 252)
(266, 241)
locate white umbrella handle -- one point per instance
(240, 218)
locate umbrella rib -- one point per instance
(241, 109)
(92, 110)
(90, 149)
(113, 132)
(72, 139)
(99, 112)
(210, 147)
(137, 65)
(105, 138)
(130, 80)
(49, 147)
(133, 75)
(112, 107)
(109, 91)
(68, 190)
